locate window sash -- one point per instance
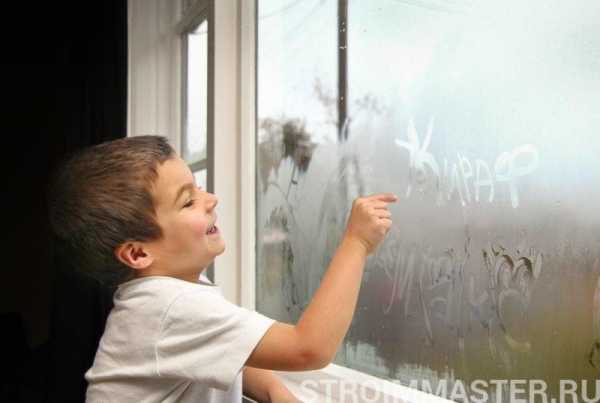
(194, 14)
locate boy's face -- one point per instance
(187, 216)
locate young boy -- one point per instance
(131, 205)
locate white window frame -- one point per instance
(155, 89)
(193, 14)
(195, 18)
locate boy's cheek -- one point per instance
(199, 228)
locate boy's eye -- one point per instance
(191, 202)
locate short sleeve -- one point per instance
(206, 339)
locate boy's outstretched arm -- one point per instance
(315, 339)
(264, 386)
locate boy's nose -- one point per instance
(211, 201)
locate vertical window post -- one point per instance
(342, 69)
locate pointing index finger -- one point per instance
(386, 197)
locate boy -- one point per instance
(131, 205)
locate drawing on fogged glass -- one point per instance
(483, 117)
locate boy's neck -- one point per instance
(189, 277)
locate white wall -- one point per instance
(154, 48)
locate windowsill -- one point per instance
(313, 386)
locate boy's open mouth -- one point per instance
(212, 230)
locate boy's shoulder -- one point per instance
(160, 290)
(166, 304)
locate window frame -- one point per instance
(191, 20)
(193, 15)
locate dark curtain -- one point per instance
(64, 69)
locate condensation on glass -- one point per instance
(484, 117)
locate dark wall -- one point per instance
(64, 71)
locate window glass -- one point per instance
(200, 177)
(483, 117)
(194, 144)
(296, 109)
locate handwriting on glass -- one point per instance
(465, 178)
(446, 293)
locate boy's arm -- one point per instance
(264, 386)
(313, 342)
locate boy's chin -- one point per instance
(217, 252)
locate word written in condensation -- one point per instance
(455, 178)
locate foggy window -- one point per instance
(484, 117)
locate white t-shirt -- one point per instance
(170, 340)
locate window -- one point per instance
(195, 127)
(197, 146)
(483, 117)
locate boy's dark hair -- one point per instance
(100, 197)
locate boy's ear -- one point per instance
(134, 254)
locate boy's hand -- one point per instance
(370, 220)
